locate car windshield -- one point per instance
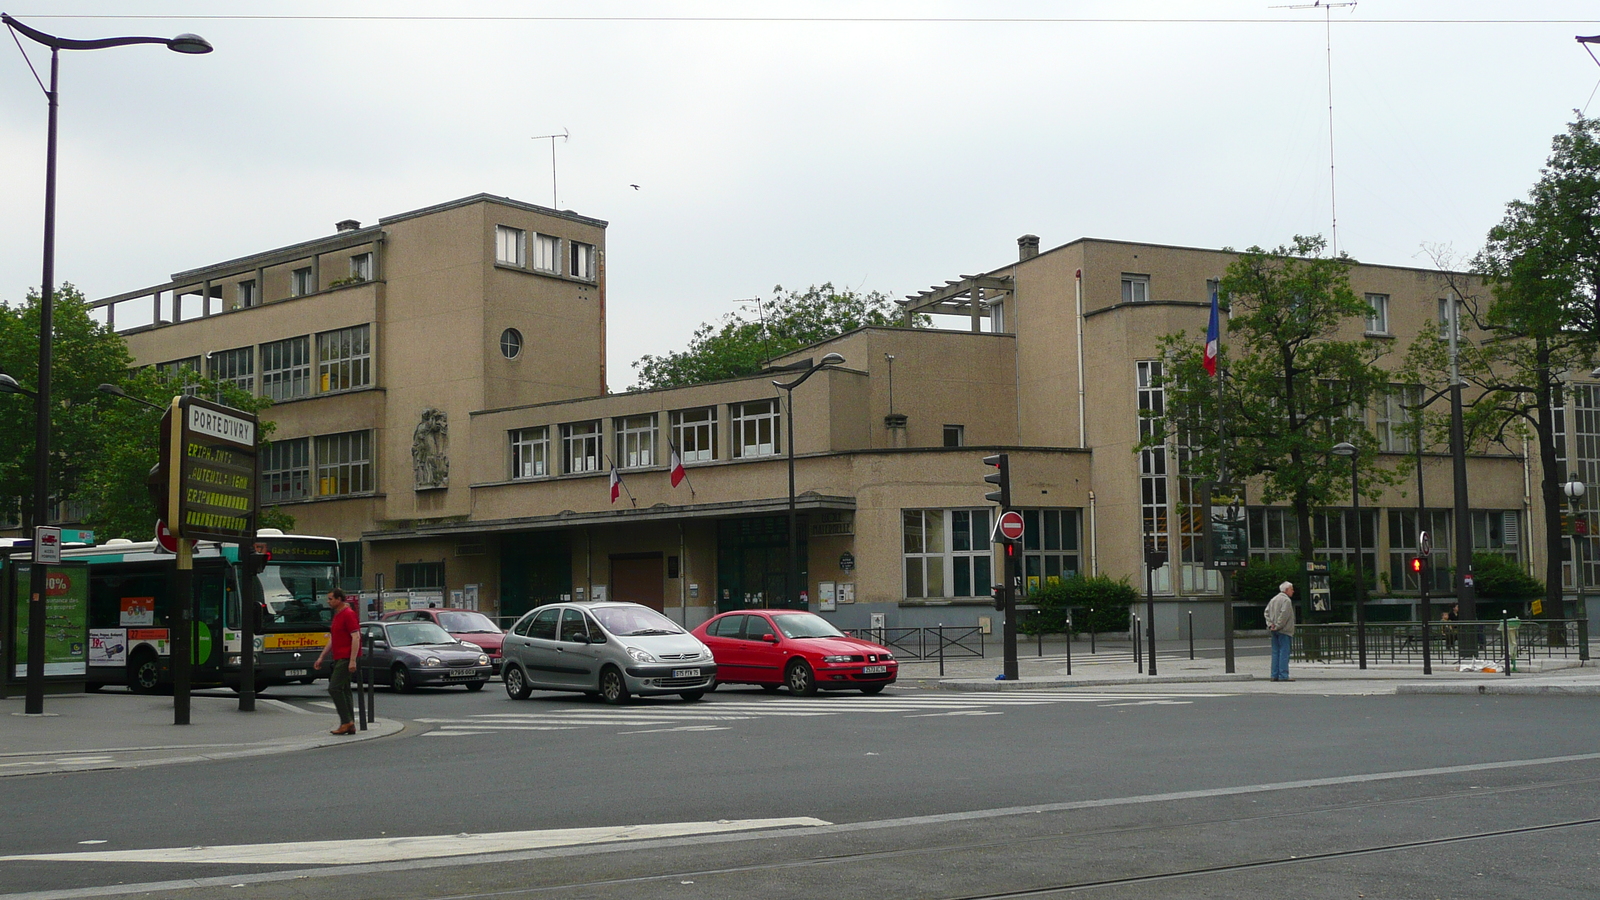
(407, 634)
(805, 625)
(623, 621)
(467, 623)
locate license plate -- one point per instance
(874, 670)
(461, 673)
(294, 673)
(685, 673)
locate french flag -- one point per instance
(616, 484)
(677, 466)
(1213, 339)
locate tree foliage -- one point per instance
(739, 345)
(1292, 388)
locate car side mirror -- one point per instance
(579, 639)
(770, 638)
(379, 642)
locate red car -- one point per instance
(773, 647)
(463, 625)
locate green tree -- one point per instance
(1292, 389)
(1540, 322)
(739, 346)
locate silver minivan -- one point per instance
(610, 650)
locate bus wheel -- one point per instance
(144, 673)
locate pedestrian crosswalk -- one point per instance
(723, 713)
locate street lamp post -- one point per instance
(1345, 448)
(806, 368)
(1575, 489)
(183, 43)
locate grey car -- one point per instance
(610, 650)
(417, 653)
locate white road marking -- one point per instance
(679, 728)
(1148, 703)
(290, 707)
(956, 712)
(376, 850)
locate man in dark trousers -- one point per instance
(344, 645)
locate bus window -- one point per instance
(294, 592)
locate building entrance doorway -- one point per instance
(639, 578)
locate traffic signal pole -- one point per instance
(1006, 602)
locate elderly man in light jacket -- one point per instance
(1280, 621)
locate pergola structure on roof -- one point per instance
(972, 295)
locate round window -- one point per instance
(510, 343)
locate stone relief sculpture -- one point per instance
(430, 461)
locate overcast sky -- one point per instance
(878, 145)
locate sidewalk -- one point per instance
(1113, 665)
(117, 730)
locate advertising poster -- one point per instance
(156, 637)
(108, 647)
(137, 611)
(66, 622)
(1227, 537)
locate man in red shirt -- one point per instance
(344, 643)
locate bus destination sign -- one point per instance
(216, 484)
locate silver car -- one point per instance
(610, 650)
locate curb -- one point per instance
(1051, 684)
(1569, 690)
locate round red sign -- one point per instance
(1011, 526)
(164, 537)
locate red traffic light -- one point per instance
(1416, 564)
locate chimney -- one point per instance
(353, 225)
(1027, 247)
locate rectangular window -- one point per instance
(530, 452)
(547, 253)
(344, 464)
(418, 575)
(248, 295)
(947, 553)
(361, 267)
(286, 471)
(300, 283)
(182, 373)
(1135, 288)
(350, 563)
(1049, 546)
(286, 369)
(510, 248)
(636, 441)
(582, 261)
(954, 435)
(1404, 530)
(580, 447)
(1378, 314)
(755, 428)
(1398, 417)
(344, 359)
(1155, 528)
(694, 431)
(237, 367)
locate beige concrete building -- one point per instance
(441, 406)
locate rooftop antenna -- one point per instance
(1333, 193)
(554, 203)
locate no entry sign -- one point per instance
(1010, 526)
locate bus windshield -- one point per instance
(294, 592)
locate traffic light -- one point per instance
(1001, 478)
(156, 484)
(1416, 565)
(255, 559)
(999, 592)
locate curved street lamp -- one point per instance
(1345, 448)
(806, 368)
(183, 43)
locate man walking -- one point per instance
(344, 643)
(1280, 621)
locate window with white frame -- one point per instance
(286, 369)
(344, 464)
(1397, 417)
(182, 372)
(530, 452)
(286, 470)
(249, 295)
(582, 261)
(1049, 546)
(1378, 314)
(694, 432)
(361, 267)
(955, 435)
(237, 367)
(1155, 527)
(300, 282)
(947, 553)
(636, 441)
(1135, 288)
(547, 253)
(1404, 530)
(510, 246)
(755, 428)
(344, 359)
(580, 447)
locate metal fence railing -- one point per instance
(1487, 639)
(935, 642)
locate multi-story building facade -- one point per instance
(441, 406)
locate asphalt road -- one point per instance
(913, 794)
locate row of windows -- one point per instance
(332, 465)
(576, 447)
(542, 253)
(948, 553)
(343, 361)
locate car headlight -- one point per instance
(433, 661)
(836, 659)
(640, 656)
(483, 659)
(471, 646)
(885, 657)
